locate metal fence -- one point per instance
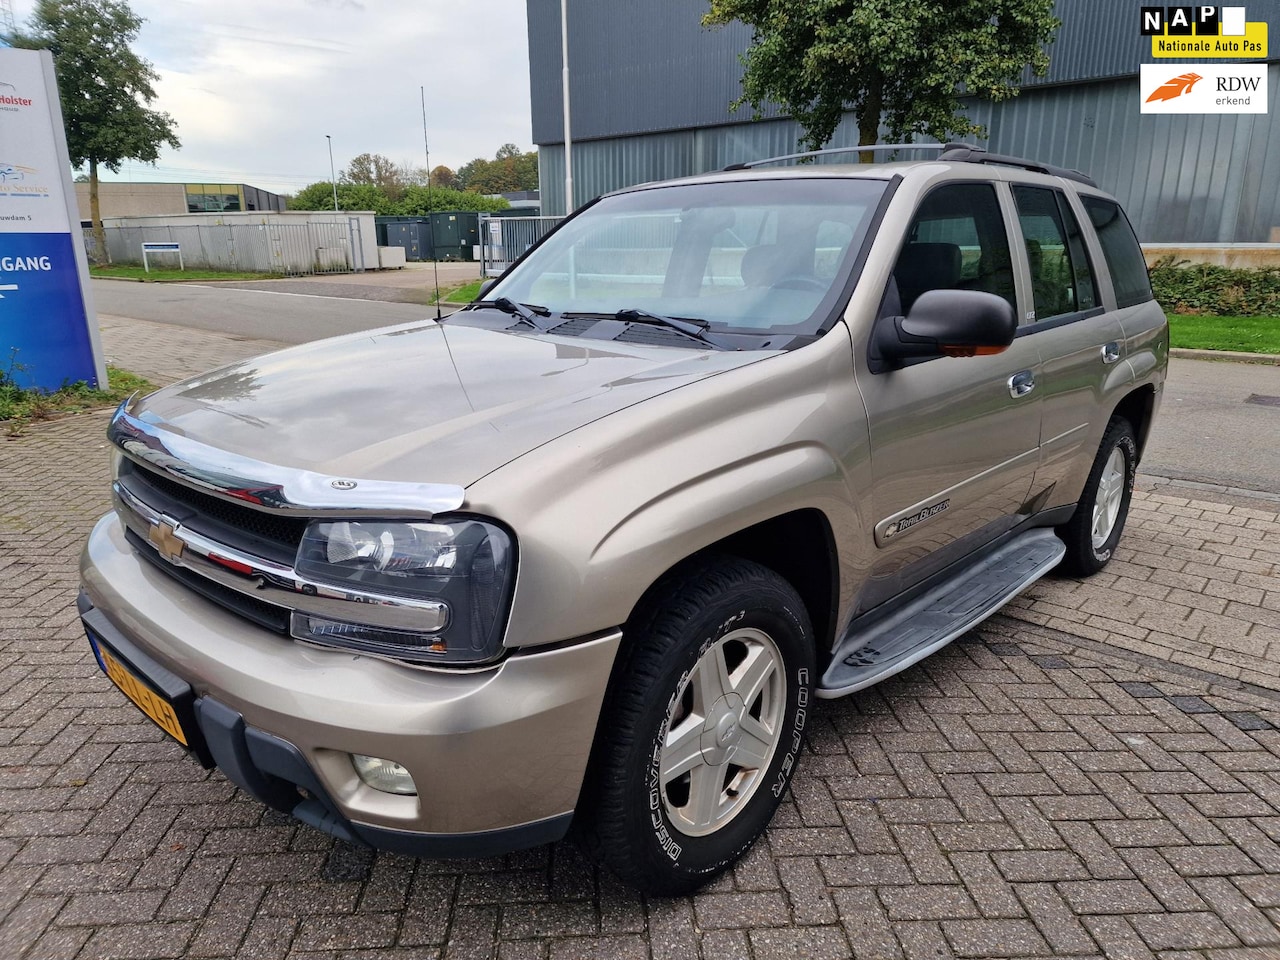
(292, 249)
(505, 239)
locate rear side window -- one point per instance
(1061, 277)
(1120, 249)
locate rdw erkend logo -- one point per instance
(1175, 87)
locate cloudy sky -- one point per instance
(255, 85)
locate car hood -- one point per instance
(421, 402)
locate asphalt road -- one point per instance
(258, 314)
(1205, 432)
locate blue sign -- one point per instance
(48, 327)
(43, 334)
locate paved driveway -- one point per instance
(1034, 790)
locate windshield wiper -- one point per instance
(530, 313)
(698, 329)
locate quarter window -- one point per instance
(1120, 249)
(1061, 278)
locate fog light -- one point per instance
(385, 775)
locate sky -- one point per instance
(255, 85)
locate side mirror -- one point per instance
(486, 287)
(944, 323)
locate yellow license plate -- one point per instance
(150, 703)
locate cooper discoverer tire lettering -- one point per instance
(1092, 533)
(702, 727)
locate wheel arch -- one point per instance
(1138, 407)
(799, 546)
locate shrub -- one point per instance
(1183, 287)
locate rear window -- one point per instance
(1120, 248)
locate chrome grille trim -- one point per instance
(265, 486)
(276, 583)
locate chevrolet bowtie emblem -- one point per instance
(164, 535)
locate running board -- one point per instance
(946, 612)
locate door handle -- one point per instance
(1110, 352)
(1021, 383)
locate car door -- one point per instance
(954, 440)
(1079, 342)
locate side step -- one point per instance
(935, 619)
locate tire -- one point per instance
(1088, 551)
(720, 629)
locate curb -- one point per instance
(1232, 356)
(1199, 486)
(184, 279)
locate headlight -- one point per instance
(456, 574)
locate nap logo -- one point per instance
(1203, 30)
(1205, 88)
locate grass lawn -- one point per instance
(157, 274)
(463, 294)
(19, 407)
(1245, 334)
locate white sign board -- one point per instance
(47, 321)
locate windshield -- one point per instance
(753, 256)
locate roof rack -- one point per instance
(963, 153)
(864, 148)
(956, 152)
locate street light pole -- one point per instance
(568, 139)
(333, 177)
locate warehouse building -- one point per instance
(123, 199)
(651, 88)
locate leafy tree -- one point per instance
(509, 170)
(104, 87)
(419, 201)
(901, 60)
(415, 199)
(374, 169)
(442, 176)
(351, 196)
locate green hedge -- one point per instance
(1184, 287)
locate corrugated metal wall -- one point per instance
(646, 67)
(1181, 178)
(651, 92)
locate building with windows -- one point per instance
(651, 88)
(121, 199)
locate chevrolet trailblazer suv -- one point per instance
(589, 549)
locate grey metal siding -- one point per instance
(649, 67)
(1181, 178)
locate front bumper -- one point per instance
(498, 755)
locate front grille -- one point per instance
(258, 611)
(262, 534)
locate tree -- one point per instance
(902, 61)
(104, 87)
(442, 176)
(376, 170)
(510, 170)
(415, 199)
(351, 196)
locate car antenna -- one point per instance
(431, 223)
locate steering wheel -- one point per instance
(798, 281)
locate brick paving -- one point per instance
(1086, 776)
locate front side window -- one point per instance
(1121, 250)
(1061, 278)
(750, 256)
(957, 241)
